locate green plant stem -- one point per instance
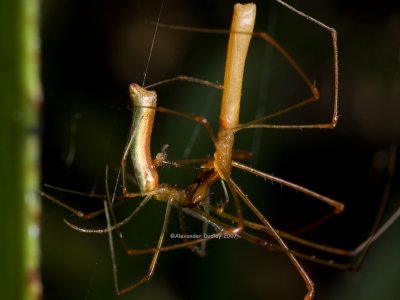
(20, 97)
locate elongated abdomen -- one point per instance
(144, 104)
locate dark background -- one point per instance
(92, 50)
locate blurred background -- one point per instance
(92, 50)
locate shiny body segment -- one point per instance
(144, 103)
